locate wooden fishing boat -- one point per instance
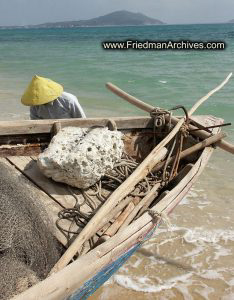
(22, 141)
(168, 153)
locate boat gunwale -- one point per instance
(43, 127)
(46, 126)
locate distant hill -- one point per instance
(231, 21)
(117, 18)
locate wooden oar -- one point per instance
(148, 108)
(156, 155)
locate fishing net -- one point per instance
(11, 284)
(28, 249)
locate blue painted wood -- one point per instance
(95, 282)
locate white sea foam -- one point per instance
(137, 262)
(163, 81)
(221, 251)
(152, 282)
(231, 282)
(198, 235)
(211, 274)
(192, 193)
(184, 201)
(144, 284)
(204, 291)
(228, 297)
(199, 249)
(185, 292)
(203, 204)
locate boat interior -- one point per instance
(69, 208)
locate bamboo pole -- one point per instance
(148, 108)
(152, 194)
(120, 220)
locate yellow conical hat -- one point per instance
(40, 91)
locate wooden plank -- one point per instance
(45, 126)
(51, 206)
(20, 150)
(20, 145)
(34, 138)
(57, 191)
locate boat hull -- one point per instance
(21, 141)
(101, 263)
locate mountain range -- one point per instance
(117, 18)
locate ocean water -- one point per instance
(194, 259)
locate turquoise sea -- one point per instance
(75, 58)
(194, 260)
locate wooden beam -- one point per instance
(46, 126)
(20, 150)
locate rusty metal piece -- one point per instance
(185, 112)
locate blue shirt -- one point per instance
(64, 107)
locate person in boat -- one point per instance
(48, 100)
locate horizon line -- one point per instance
(165, 24)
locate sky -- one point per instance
(30, 12)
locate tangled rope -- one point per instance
(159, 119)
(159, 115)
(121, 171)
(101, 191)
